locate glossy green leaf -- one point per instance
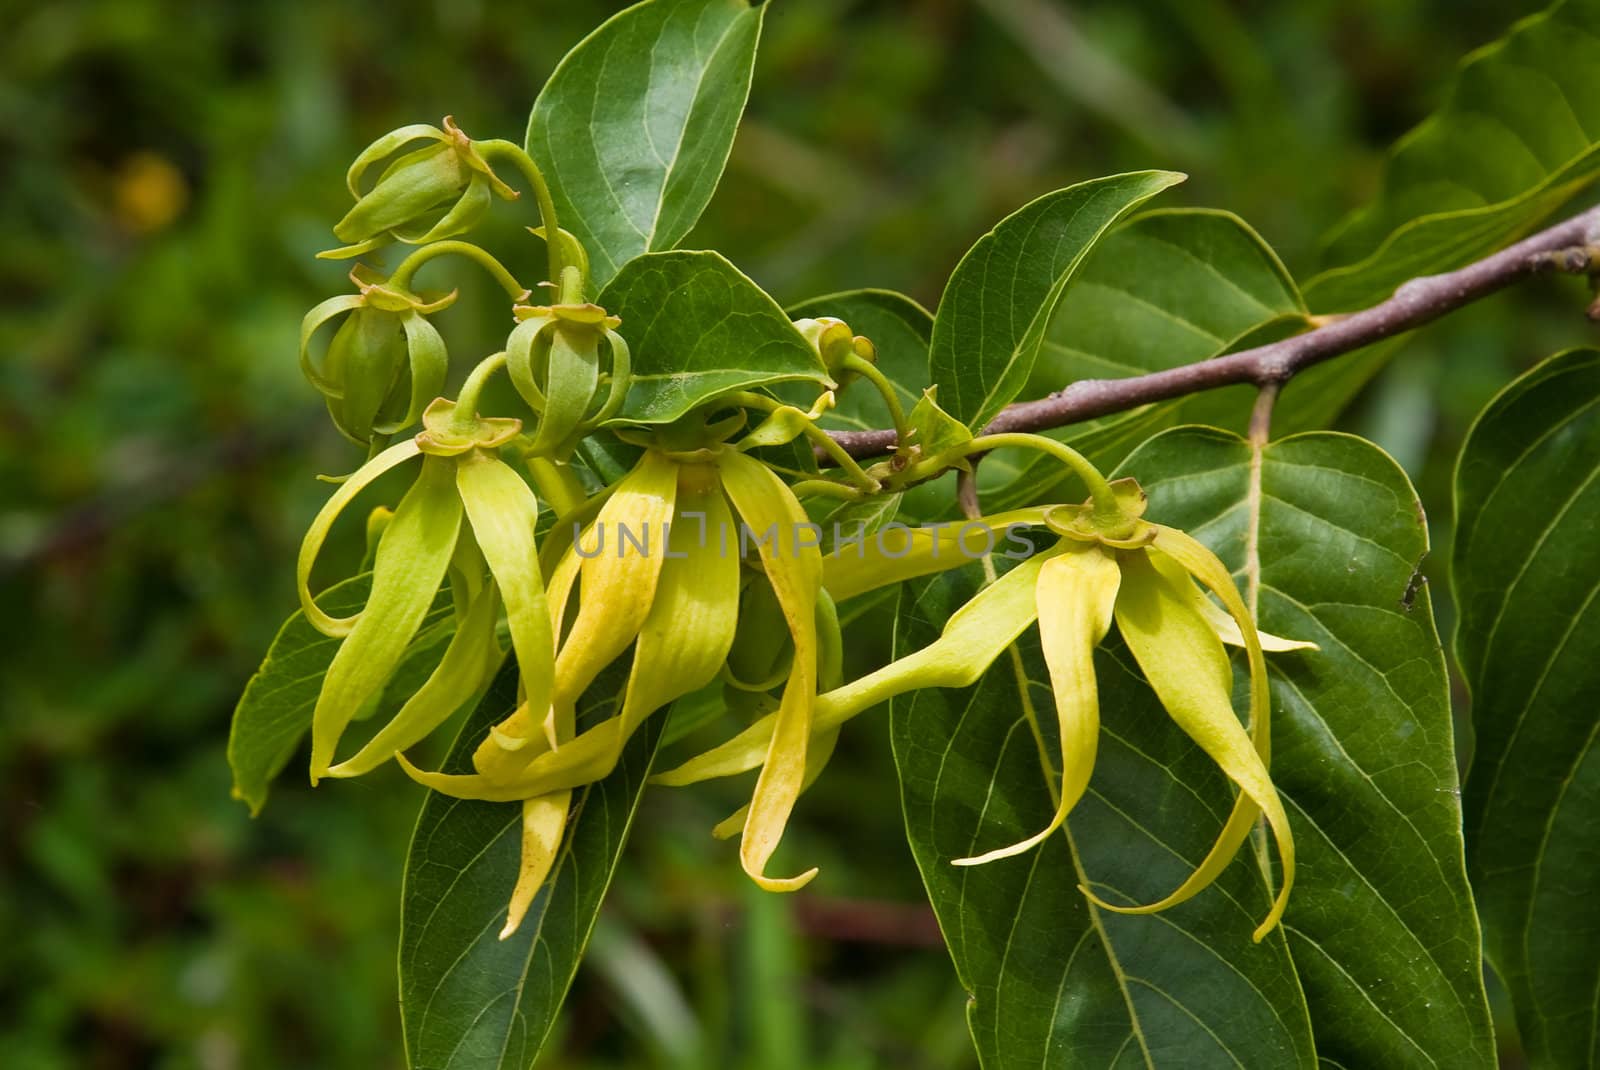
(274, 713)
(900, 329)
(1526, 572)
(698, 327)
(468, 1000)
(1518, 135)
(1381, 923)
(634, 127)
(991, 320)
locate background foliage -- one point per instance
(169, 170)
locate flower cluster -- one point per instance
(700, 566)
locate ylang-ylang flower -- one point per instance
(661, 568)
(1109, 565)
(437, 183)
(468, 517)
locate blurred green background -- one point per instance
(169, 168)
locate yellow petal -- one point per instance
(1076, 592)
(1221, 621)
(1186, 666)
(896, 553)
(399, 453)
(619, 582)
(686, 636)
(817, 755)
(544, 821)
(410, 564)
(766, 504)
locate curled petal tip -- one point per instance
(784, 884)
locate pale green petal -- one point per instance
(429, 362)
(504, 512)
(1076, 593)
(894, 554)
(389, 143)
(411, 561)
(466, 667)
(314, 319)
(572, 376)
(463, 215)
(1186, 666)
(1221, 621)
(399, 453)
(764, 503)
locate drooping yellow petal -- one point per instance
(544, 821)
(1076, 592)
(686, 636)
(1221, 621)
(465, 668)
(1187, 668)
(410, 563)
(897, 553)
(817, 756)
(973, 637)
(399, 453)
(767, 506)
(503, 513)
(618, 584)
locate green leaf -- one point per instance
(1054, 981)
(992, 317)
(1526, 573)
(697, 328)
(634, 127)
(900, 328)
(1518, 135)
(468, 1000)
(274, 713)
(1381, 921)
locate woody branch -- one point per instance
(1572, 246)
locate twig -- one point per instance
(1569, 246)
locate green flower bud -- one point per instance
(835, 343)
(558, 356)
(384, 363)
(437, 191)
